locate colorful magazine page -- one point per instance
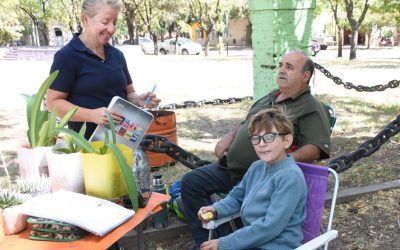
(133, 127)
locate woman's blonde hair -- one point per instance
(90, 7)
(266, 119)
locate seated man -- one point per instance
(311, 139)
(271, 197)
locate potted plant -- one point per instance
(13, 220)
(41, 132)
(106, 165)
(65, 164)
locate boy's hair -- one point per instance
(266, 119)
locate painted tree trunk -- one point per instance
(278, 26)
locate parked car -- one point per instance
(146, 44)
(324, 40)
(185, 46)
(315, 47)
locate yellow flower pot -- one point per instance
(102, 174)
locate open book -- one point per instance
(131, 130)
(92, 214)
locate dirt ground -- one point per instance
(372, 222)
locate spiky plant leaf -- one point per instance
(127, 175)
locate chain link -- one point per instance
(161, 144)
(195, 104)
(366, 149)
(360, 88)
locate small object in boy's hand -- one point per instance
(207, 216)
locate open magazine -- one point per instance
(93, 214)
(131, 130)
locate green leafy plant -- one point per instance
(10, 198)
(42, 125)
(126, 171)
(70, 146)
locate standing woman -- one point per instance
(91, 71)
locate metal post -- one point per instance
(140, 236)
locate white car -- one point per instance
(185, 46)
(147, 45)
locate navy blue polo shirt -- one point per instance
(90, 81)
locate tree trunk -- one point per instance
(340, 44)
(353, 43)
(207, 41)
(368, 39)
(154, 38)
(45, 33)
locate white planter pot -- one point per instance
(65, 171)
(33, 162)
(13, 220)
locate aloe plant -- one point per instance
(41, 125)
(10, 198)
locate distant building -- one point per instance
(237, 34)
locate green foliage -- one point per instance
(41, 126)
(126, 174)
(77, 140)
(71, 147)
(10, 198)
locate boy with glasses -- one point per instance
(271, 197)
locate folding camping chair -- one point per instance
(317, 185)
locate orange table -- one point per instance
(90, 242)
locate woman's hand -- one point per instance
(206, 214)
(153, 100)
(209, 245)
(99, 117)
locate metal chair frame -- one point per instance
(321, 240)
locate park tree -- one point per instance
(208, 14)
(351, 10)
(10, 26)
(130, 14)
(339, 23)
(148, 12)
(69, 13)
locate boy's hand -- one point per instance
(206, 214)
(209, 245)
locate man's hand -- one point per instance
(209, 245)
(223, 145)
(206, 214)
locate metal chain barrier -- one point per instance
(195, 104)
(366, 149)
(361, 88)
(160, 144)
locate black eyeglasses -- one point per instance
(267, 138)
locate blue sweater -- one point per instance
(272, 204)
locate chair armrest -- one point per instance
(319, 241)
(215, 223)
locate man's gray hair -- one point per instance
(90, 7)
